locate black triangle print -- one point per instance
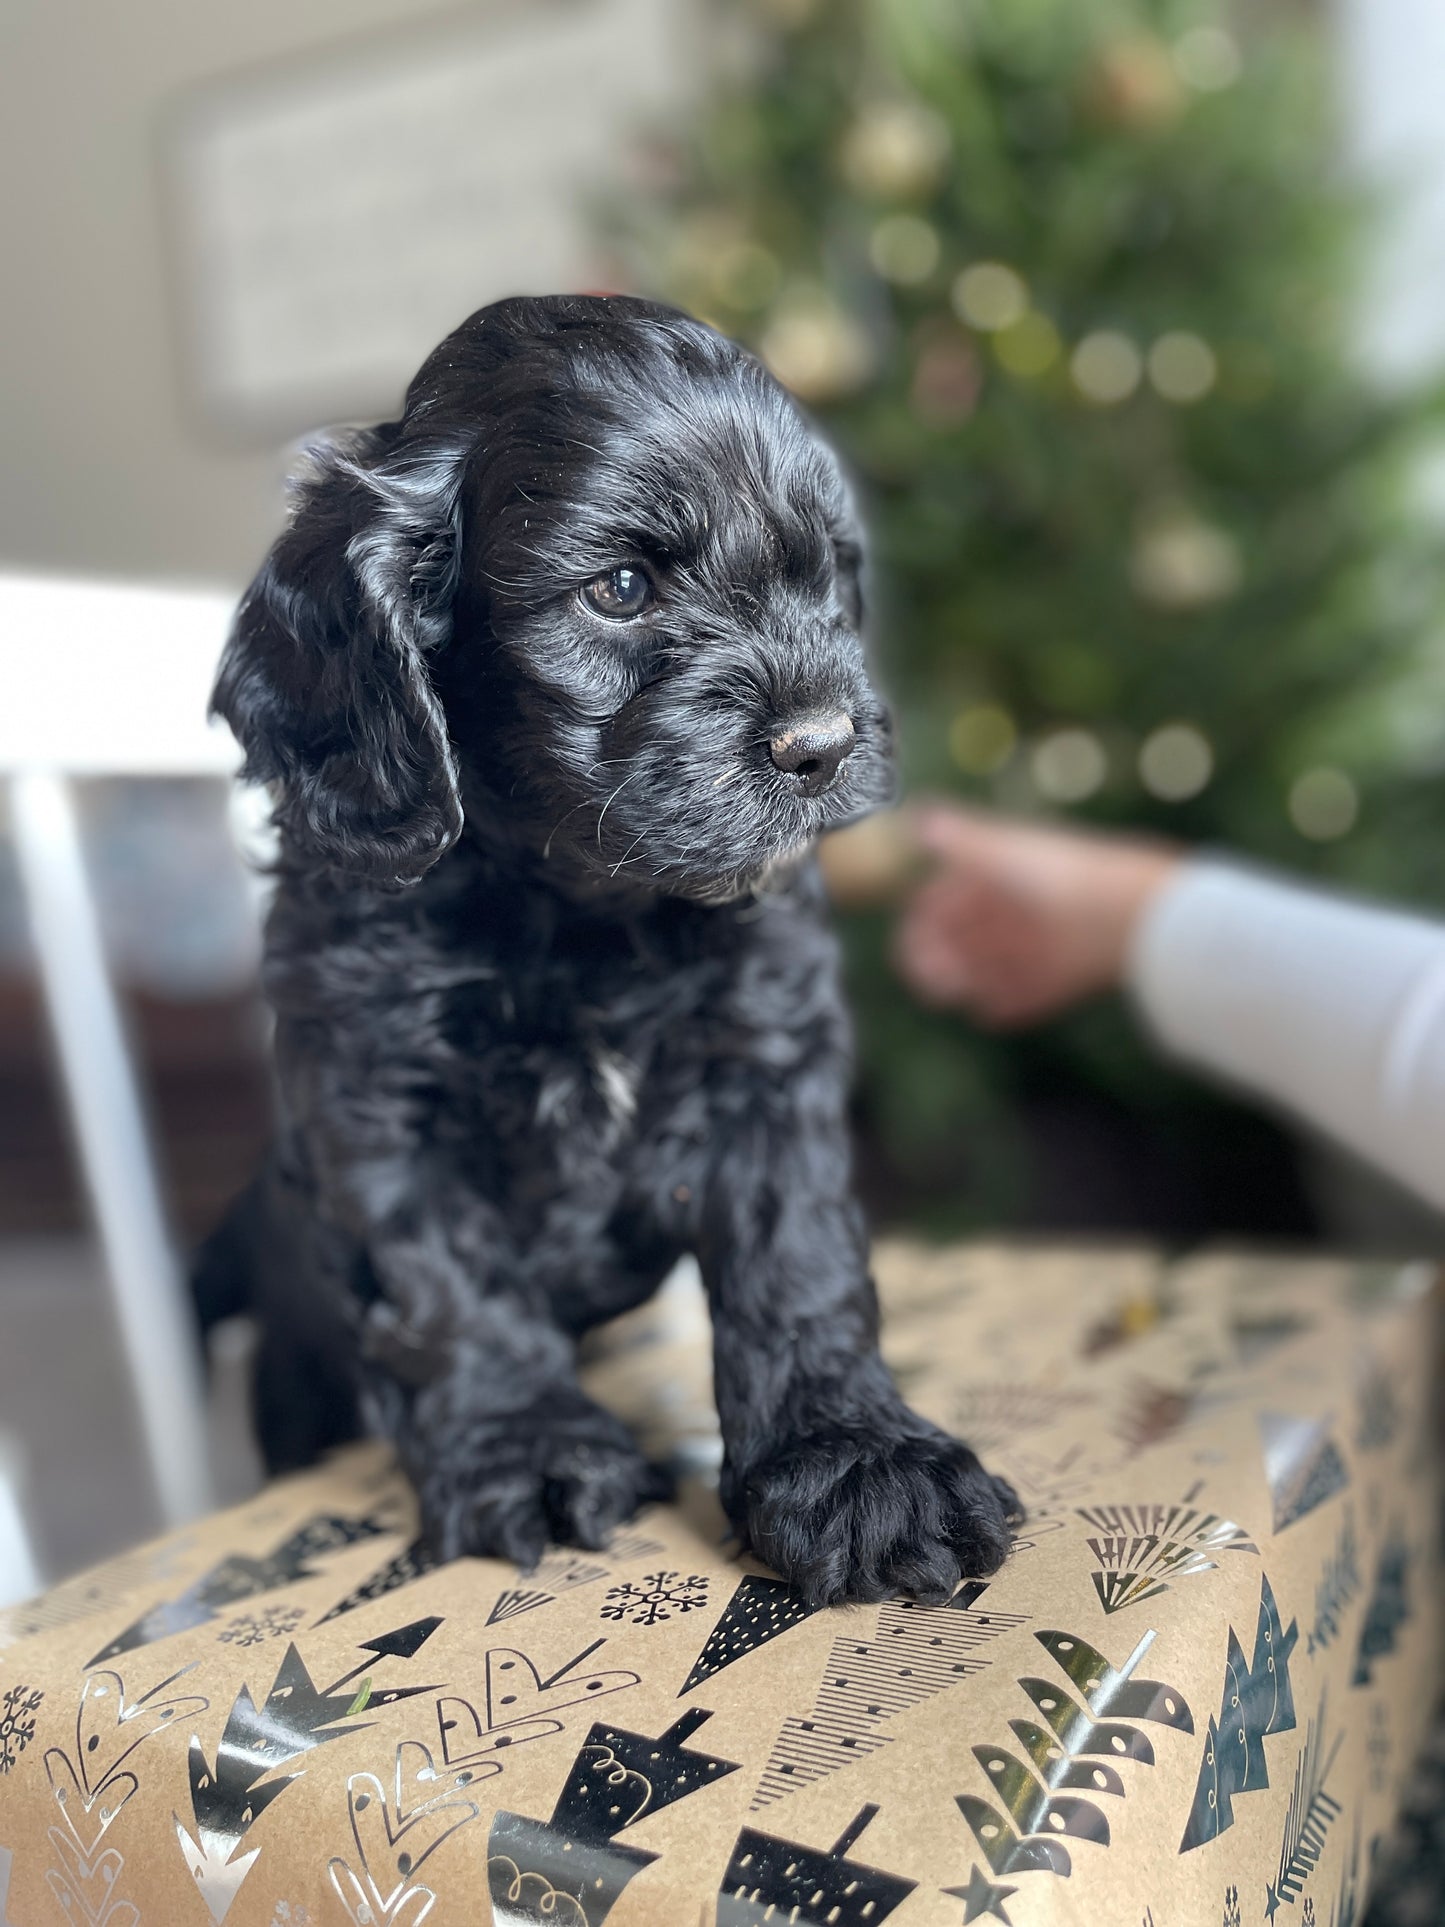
(413, 1562)
(758, 1611)
(619, 1778)
(771, 1880)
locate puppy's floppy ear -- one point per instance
(324, 679)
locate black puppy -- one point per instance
(556, 680)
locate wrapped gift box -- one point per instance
(1190, 1699)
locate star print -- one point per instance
(1271, 1903)
(982, 1897)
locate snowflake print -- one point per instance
(1231, 1907)
(17, 1722)
(658, 1596)
(288, 1916)
(1308, 1919)
(252, 1629)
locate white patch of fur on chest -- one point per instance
(616, 1078)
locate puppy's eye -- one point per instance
(619, 595)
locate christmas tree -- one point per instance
(1072, 288)
(1257, 1702)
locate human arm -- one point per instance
(1332, 1008)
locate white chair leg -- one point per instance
(19, 1574)
(156, 1325)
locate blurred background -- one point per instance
(1128, 317)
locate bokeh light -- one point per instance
(1175, 762)
(1069, 766)
(1324, 804)
(1207, 59)
(1182, 366)
(904, 248)
(1029, 346)
(989, 295)
(1106, 367)
(981, 738)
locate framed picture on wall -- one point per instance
(332, 219)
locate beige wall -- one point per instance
(105, 465)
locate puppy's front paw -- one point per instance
(856, 1517)
(563, 1470)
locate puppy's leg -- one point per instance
(477, 1386)
(828, 1475)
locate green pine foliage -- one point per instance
(1072, 285)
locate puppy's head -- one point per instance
(597, 589)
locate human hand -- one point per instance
(1018, 920)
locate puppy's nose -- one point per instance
(812, 751)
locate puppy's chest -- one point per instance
(572, 1060)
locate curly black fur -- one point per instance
(601, 1025)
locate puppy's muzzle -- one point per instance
(811, 751)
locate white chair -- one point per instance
(110, 679)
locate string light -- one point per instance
(1207, 59)
(1324, 805)
(815, 349)
(1182, 366)
(981, 738)
(904, 248)
(1069, 766)
(1106, 367)
(989, 296)
(1175, 762)
(896, 148)
(1183, 563)
(1028, 346)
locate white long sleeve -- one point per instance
(1329, 1006)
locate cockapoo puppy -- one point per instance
(556, 681)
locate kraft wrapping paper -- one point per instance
(1190, 1699)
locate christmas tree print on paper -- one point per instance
(1151, 1413)
(91, 1786)
(1388, 1609)
(554, 1574)
(1347, 1906)
(242, 1576)
(561, 1571)
(295, 1717)
(396, 1833)
(916, 1652)
(758, 1611)
(1258, 1701)
(1076, 1752)
(1378, 1412)
(413, 1562)
(521, 1703)
(568, 1871)
(1338, 1584)
(1311, 1812)
(770, 1881)
(991, 1415)
(1142, 1549)
(1302, 1463)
